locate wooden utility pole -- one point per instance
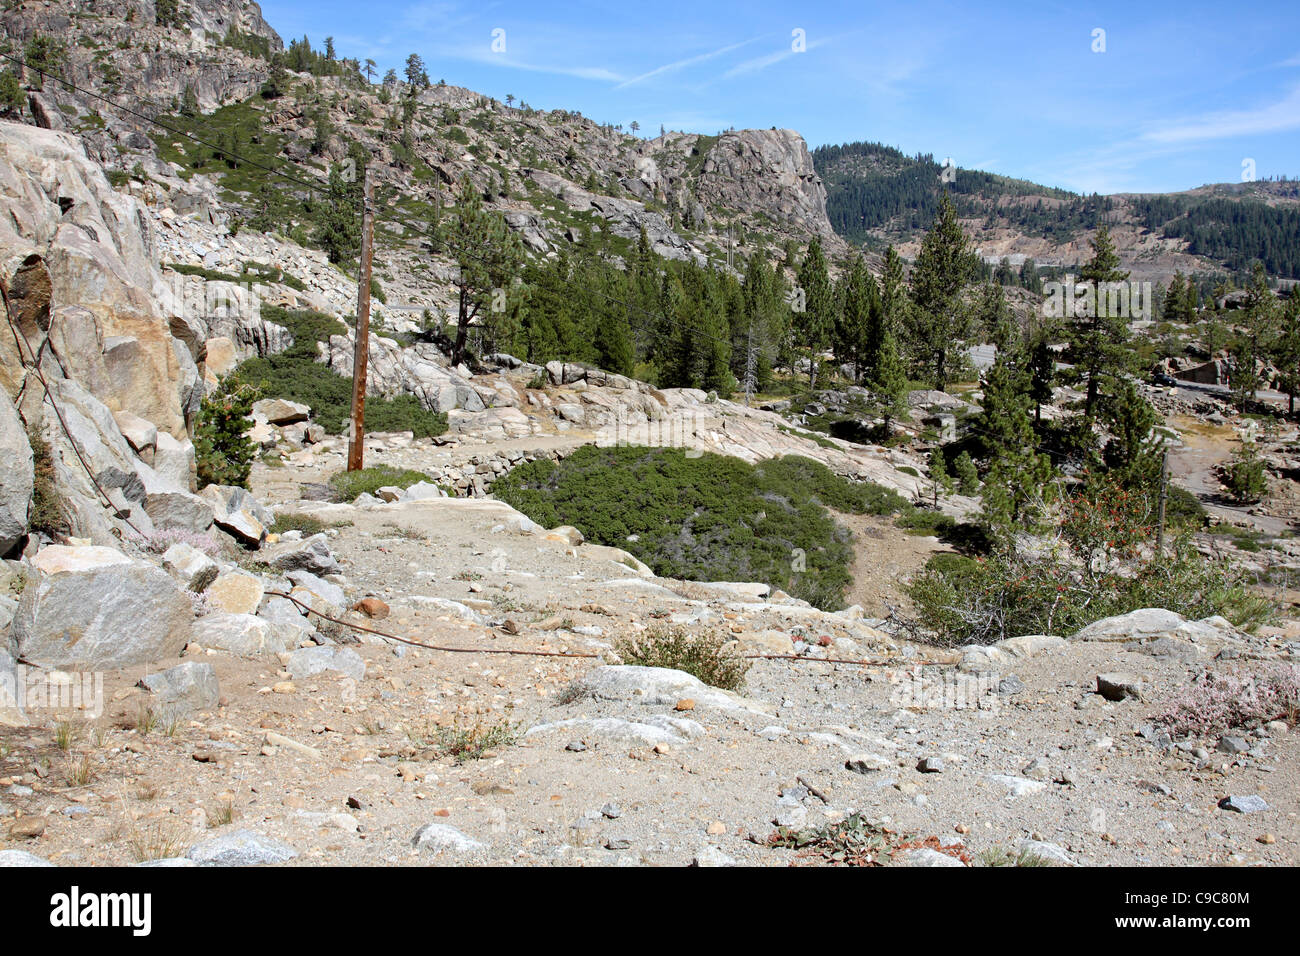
(361, 347)
(1164, 494)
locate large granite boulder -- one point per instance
(94, 608)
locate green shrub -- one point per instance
(708, 655)
(295, 374)
(1184, 509)
(960, 534)
(296, 522)
(350, 484)
(465, 741)
(707, 518)
(1245, 477)
(1098, 571)
(223, 453)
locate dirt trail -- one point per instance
(1194, 465)
(884, 556)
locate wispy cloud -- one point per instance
(682, 64)
(481, 54)
(429, 15)
(771, 59)
(1273, 118)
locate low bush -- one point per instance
(857, 840)
(297, 522)
(960, 534)
(350, 484)
(464, 741)
(1183, 509)
(706, 518)
(1098, 569)
(708, 655)
(294, 374)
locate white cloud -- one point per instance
(482, 55)
(682, 64)
(1273, 118)
(430, 15)
(771, 59)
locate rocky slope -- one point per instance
(117, 48)
(557, 176)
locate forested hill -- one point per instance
(875, 190)
(877, 194)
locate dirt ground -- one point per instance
(348, 772)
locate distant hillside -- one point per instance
(877, 194)
(203, 104)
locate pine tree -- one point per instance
(1175, 299)
(1256, 328)
(1097, 338)
(940, 320)
(1016, 472)
(1285, 350)
(938, 468)
(487, 254)
(966, 473)
(338, 229)
(889, 380)
(995, 317)
(223, 452)
(324, 129)
(893, 291)
(879, 329)
(814, 326)
(189, 102)
(678, 337)
(1042, 372)
(1133, 454)
(1191, 301)
(277, 82)
(415, 72)
(854, 326)
(12, 99)
(1029, 278)
(167, 13)
(613, 342)
(766, 313)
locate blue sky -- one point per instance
(1182, 95)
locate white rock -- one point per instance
(442, 838)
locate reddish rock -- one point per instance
(372, 607)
